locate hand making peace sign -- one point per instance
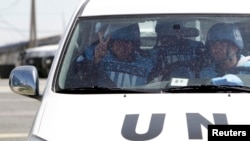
(101, 49)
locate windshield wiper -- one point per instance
(208, 89)
(101, 90)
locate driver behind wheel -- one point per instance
(224, 43)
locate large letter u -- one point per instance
(129, 126)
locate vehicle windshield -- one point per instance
(153, 53)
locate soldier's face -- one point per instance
(224, 53)
(123, 49)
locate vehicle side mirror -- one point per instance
(24, 80)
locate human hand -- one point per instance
(101, 49)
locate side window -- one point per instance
(148, 34)
(245, 33)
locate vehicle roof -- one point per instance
(119, 7)
(43, 48)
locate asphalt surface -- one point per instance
(17, 113)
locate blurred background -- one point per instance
(26, 25)
(29, 34)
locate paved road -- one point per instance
(16, 113)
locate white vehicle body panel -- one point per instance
(97, 8)
(89, 117)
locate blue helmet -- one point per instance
(124, 32)
(225, 32)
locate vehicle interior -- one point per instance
(173, 41)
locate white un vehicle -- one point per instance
(158, 70)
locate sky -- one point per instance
(52, 18)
